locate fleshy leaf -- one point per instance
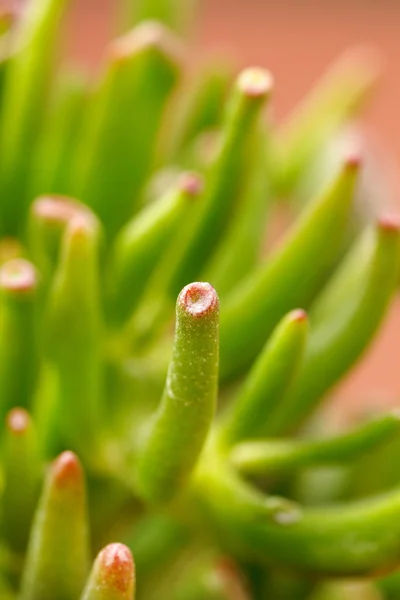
(178, 430)
(57, 559)
(112, 576)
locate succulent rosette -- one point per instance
(160, 371)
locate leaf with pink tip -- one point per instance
(112, 576)
(344, 319)
(177, 431)
(58, 552)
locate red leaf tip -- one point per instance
(353, 160)
(81, 226)
(191, 183)
(255, 82)
(67, 470)
(117, 569)
(298, 315)
(10, 10)
(58, 209)
(18, 421)
(389, 222)
(18, 275)
(148, 34)
(198, 299)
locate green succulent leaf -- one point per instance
(281, 456)
(117, 148)
(344, 319)
(177, 432)
(22, 466)
(268, 381)
(112, 576)
(18, 341)
(24, 105)
(58, 553)
(74, 315)
(291, 277)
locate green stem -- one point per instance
(354, 539)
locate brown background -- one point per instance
(296, 40)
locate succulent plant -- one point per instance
(201, 450)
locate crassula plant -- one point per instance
(160, 368)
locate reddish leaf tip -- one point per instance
(7, 16)
(389, 222)
(18, 421)
(198, 299)
(81, 226)
(18, 276)
(10, 10)
(298, 315)
(255, 82)
(117, 567)
(58, 209)
(67, 470)
(191, 183)
(148, 34)
(353, 160)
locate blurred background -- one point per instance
(296, 40)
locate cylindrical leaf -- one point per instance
(178, 430)
(356, 538)
(268, 381)
(118, 140)
(285, 455)
(141, 243)
(344, 319)
(24, 106)
(49, 218)
(290, 278)
(173, 13)
(74, 336)
(22, 475)
(57, 561)
(194, 247)
(330, 105)
(112, 576)
(18, 344)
